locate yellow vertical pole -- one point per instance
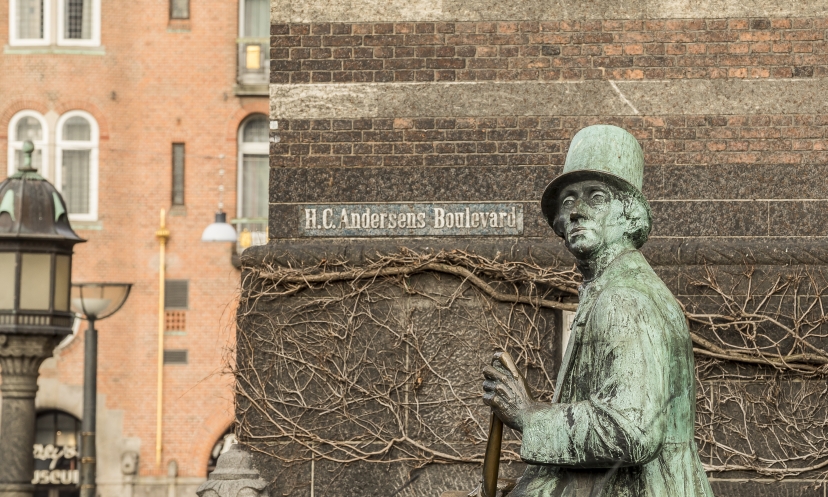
(162, 234)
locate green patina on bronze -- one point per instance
(621, 422)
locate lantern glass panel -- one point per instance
(35, 281)
(7, 279)
(62, 283)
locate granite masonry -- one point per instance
(386, 110)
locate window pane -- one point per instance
(77, 129)
(75, 184)
(28, 128)
(62, 283)
(35, 280)
(78, 19)
(30, 19)
(67, 428)
(255, 130)
(256, 18)
(255, 172)
(45, 428)
(179, 9)
(8, 268)
(178, 174)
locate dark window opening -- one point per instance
(179, 9)
(175, 356)
(178, 174)
(56, 454)
(78, 19)
(221, 446)
(176, 294)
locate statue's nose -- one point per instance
(576, 212)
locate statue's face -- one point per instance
(591, 217)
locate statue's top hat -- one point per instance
(599, 152)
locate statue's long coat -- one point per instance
(621, 423)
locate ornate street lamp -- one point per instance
(36, 243)
(93, 301)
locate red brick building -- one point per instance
(135, 107)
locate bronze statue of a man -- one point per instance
(621, 421)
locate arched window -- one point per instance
(221, 446)
(254, 172)
(56, 450)
(76, 156)
(253, 167)
(28, 125)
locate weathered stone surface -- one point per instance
(773, 251)
(444, 100)
(766, 488)
(375, 479)
(548, 98)
(234, 476)
(535, 10)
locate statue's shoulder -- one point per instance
(633, 281)
(634, 287)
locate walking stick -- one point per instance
(491, 461)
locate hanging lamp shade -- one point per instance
(220, 230)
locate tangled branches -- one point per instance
(760, 367)
(381, 362)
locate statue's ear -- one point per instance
(638, 219)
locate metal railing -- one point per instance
(253, 65)
(251, 231)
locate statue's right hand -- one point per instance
(506, 393)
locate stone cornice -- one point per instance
(282, 11)
(658, 251)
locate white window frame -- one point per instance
(15, 144)
(247, 148)
(92, 145)
(15, 41)
(95, 39)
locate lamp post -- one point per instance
(93, 301)
(36, 244)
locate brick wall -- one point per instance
(151, 83)
(554, 50)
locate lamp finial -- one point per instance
(28, 149)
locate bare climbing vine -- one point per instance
(380, 362)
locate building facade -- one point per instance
(135, 108)
(413, 107)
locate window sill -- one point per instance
(54, 49)
(86, 225)
(251, 90)
(178, 26)
(178, 210)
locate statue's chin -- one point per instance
(582, 251)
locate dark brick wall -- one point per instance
(558, 50)
(513, 140)
(701, 170)
(738, 186)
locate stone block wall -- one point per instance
(461, 101)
